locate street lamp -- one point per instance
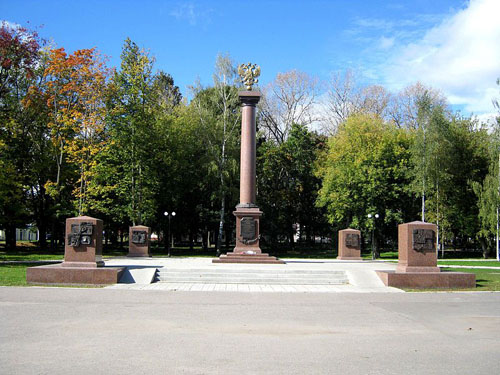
(169, 233)
(376, 216)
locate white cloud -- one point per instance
(460, 56)
(385, 43)
(191, 13)
(12, 25)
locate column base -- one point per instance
(247, 257)
(349, 258)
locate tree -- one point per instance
(287, 186)
(76, 99)
(166, 94)
(488, 192)
(406, 110)
(218, 113)
(19, 58)
(488, 197)
(365, 170)
(345, 97)
(288, 100)
(131, 104)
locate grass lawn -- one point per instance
(486, 281)
(13, 274)
(29, 257)
(483, 263)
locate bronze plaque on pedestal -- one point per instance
(139, 237)
(81, 234)
(248, 228)
(352, 240)
(424, 240)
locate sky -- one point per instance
(450, 45)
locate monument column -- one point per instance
(247, 249)
(249, 100)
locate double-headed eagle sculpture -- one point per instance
(249, 73)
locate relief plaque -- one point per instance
(139, 237)
(248, 228)
(352, 240)
(424, 240)
(81, 234)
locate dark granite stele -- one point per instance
(83, 263)
(349, 244)
(417, 262)
(139, 241)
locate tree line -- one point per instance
(124, 145)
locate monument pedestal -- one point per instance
(247, 249)
(138, 241)
(417, 261)
(82, 258)
(349, 244)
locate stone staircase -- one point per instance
(251, 276)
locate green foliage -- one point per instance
(287, 186)
(488, 194)
(125, 175)
(365, 170)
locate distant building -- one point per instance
(30, 233)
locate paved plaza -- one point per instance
(113, 331)
(361, 327)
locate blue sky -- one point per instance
(452, 45)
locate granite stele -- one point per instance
(82, 258)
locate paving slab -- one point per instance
(105, 331)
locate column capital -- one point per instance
(249, 97)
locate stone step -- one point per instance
(276, 277)
(255, 281)
(253, 271)
(252, 275)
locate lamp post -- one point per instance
(376, 216)
(169, 215)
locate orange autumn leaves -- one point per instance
(75, 89)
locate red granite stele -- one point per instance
(417, 261)
(349, 244)
(82, 258)
(138, 241)
(247, 213)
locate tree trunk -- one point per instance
(42, 234)
(10, 237)
(485, 247)
(221, 224)
(291, 241)
(53, 235)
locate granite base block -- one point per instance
(58, 274)
(349, 258)
(424, 280)
(261, 258)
